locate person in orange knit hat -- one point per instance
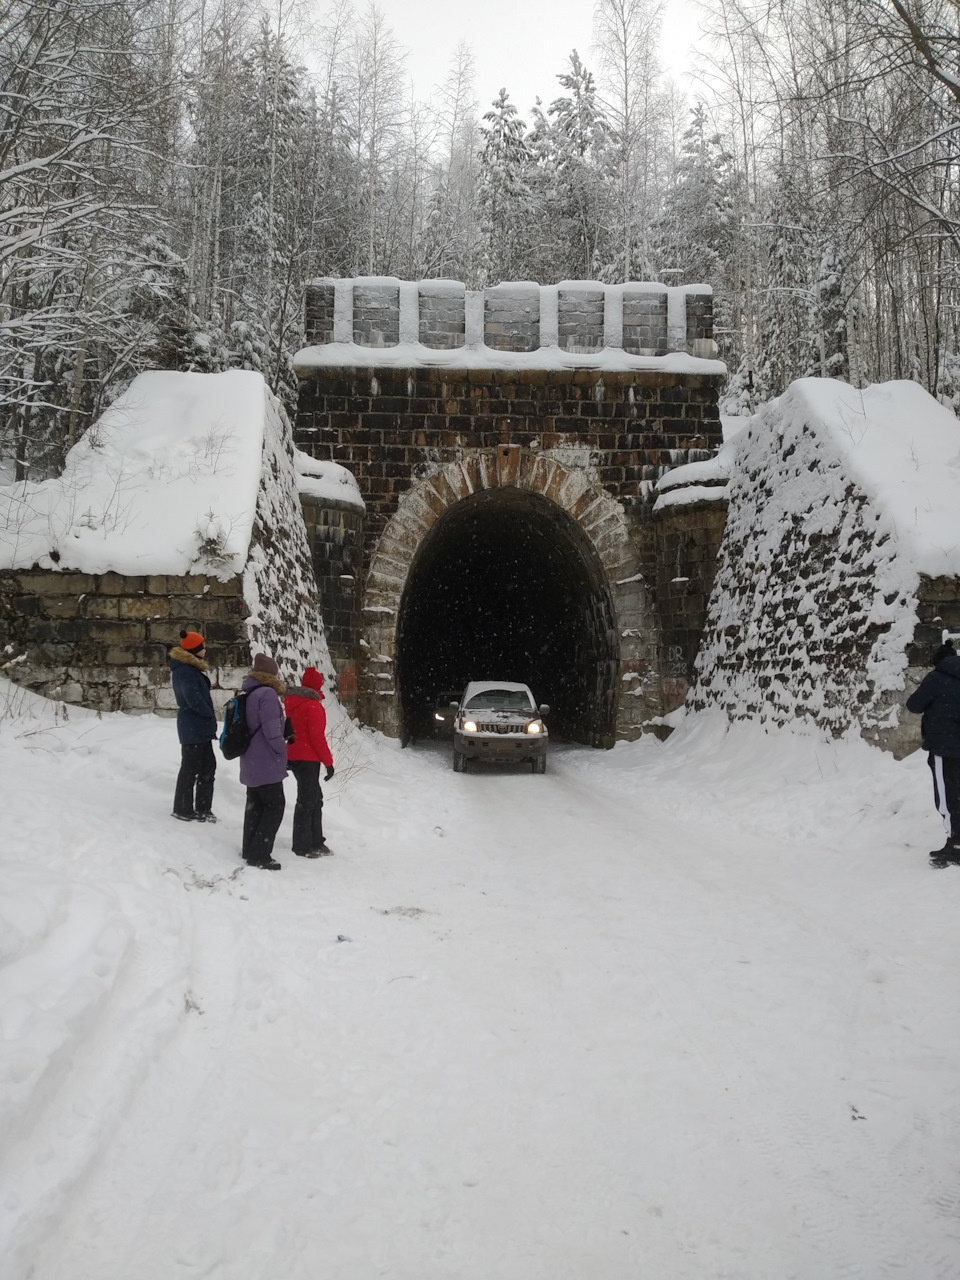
(196, 728)
(305, 755)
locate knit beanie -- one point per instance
(945, 651)
(191, 641)
(262, 663)
(313, 679)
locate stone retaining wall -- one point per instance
(102, 641)
(688, 539)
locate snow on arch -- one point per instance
(841, 502)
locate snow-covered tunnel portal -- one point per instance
(507, 586)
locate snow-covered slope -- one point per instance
(166, 481)
(678, 1010)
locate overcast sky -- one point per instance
(521, 45)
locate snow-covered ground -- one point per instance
(681, 1011)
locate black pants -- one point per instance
(946, 791)
(261, 821)
(198, 766)
(308, 813)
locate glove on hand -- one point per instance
(329, 774)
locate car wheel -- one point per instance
(540, 764)
(459, 761)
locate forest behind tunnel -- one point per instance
(507, 587)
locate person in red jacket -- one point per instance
(305, 755)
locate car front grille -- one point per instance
(498, 727)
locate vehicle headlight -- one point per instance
(437, 715)
(534, 727)
(469, 726)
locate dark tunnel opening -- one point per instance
(506, 586)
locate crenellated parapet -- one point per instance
(583, 318)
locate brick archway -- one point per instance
(601, 527)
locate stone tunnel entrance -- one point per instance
(507, 586)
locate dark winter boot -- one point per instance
(310, 853)
(948, 856)
(270, 864)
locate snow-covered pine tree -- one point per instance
(507, 214)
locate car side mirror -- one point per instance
(454, 705)
(544, 708)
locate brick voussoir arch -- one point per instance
(599, 517)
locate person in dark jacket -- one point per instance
(263, 766)
(196, 729)
(309, 750)
(937, 699)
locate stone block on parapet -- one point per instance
(376, 314)
(512, 317)
(580, 319)
(318, 311)
(442, 316)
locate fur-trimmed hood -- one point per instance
(181, 655)
(298, 691)
(272, 682)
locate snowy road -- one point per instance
(667, 1013)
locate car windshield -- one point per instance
(501, 700)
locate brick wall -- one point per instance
(335, 537)
(387, 425)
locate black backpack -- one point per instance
(235, 737)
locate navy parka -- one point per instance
(196, 718)
(937, 699)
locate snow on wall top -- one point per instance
(165, 481)
(327, 480)
(902, 446)
(415, 355)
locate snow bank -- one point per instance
(838, 501)
(705, 481)
(730, 1051)
(327, 481)
(902, 447)
(165, 481)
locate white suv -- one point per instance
(498, 720)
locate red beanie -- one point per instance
(313, 679)
(191, 641)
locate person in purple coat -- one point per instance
(263, 766)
